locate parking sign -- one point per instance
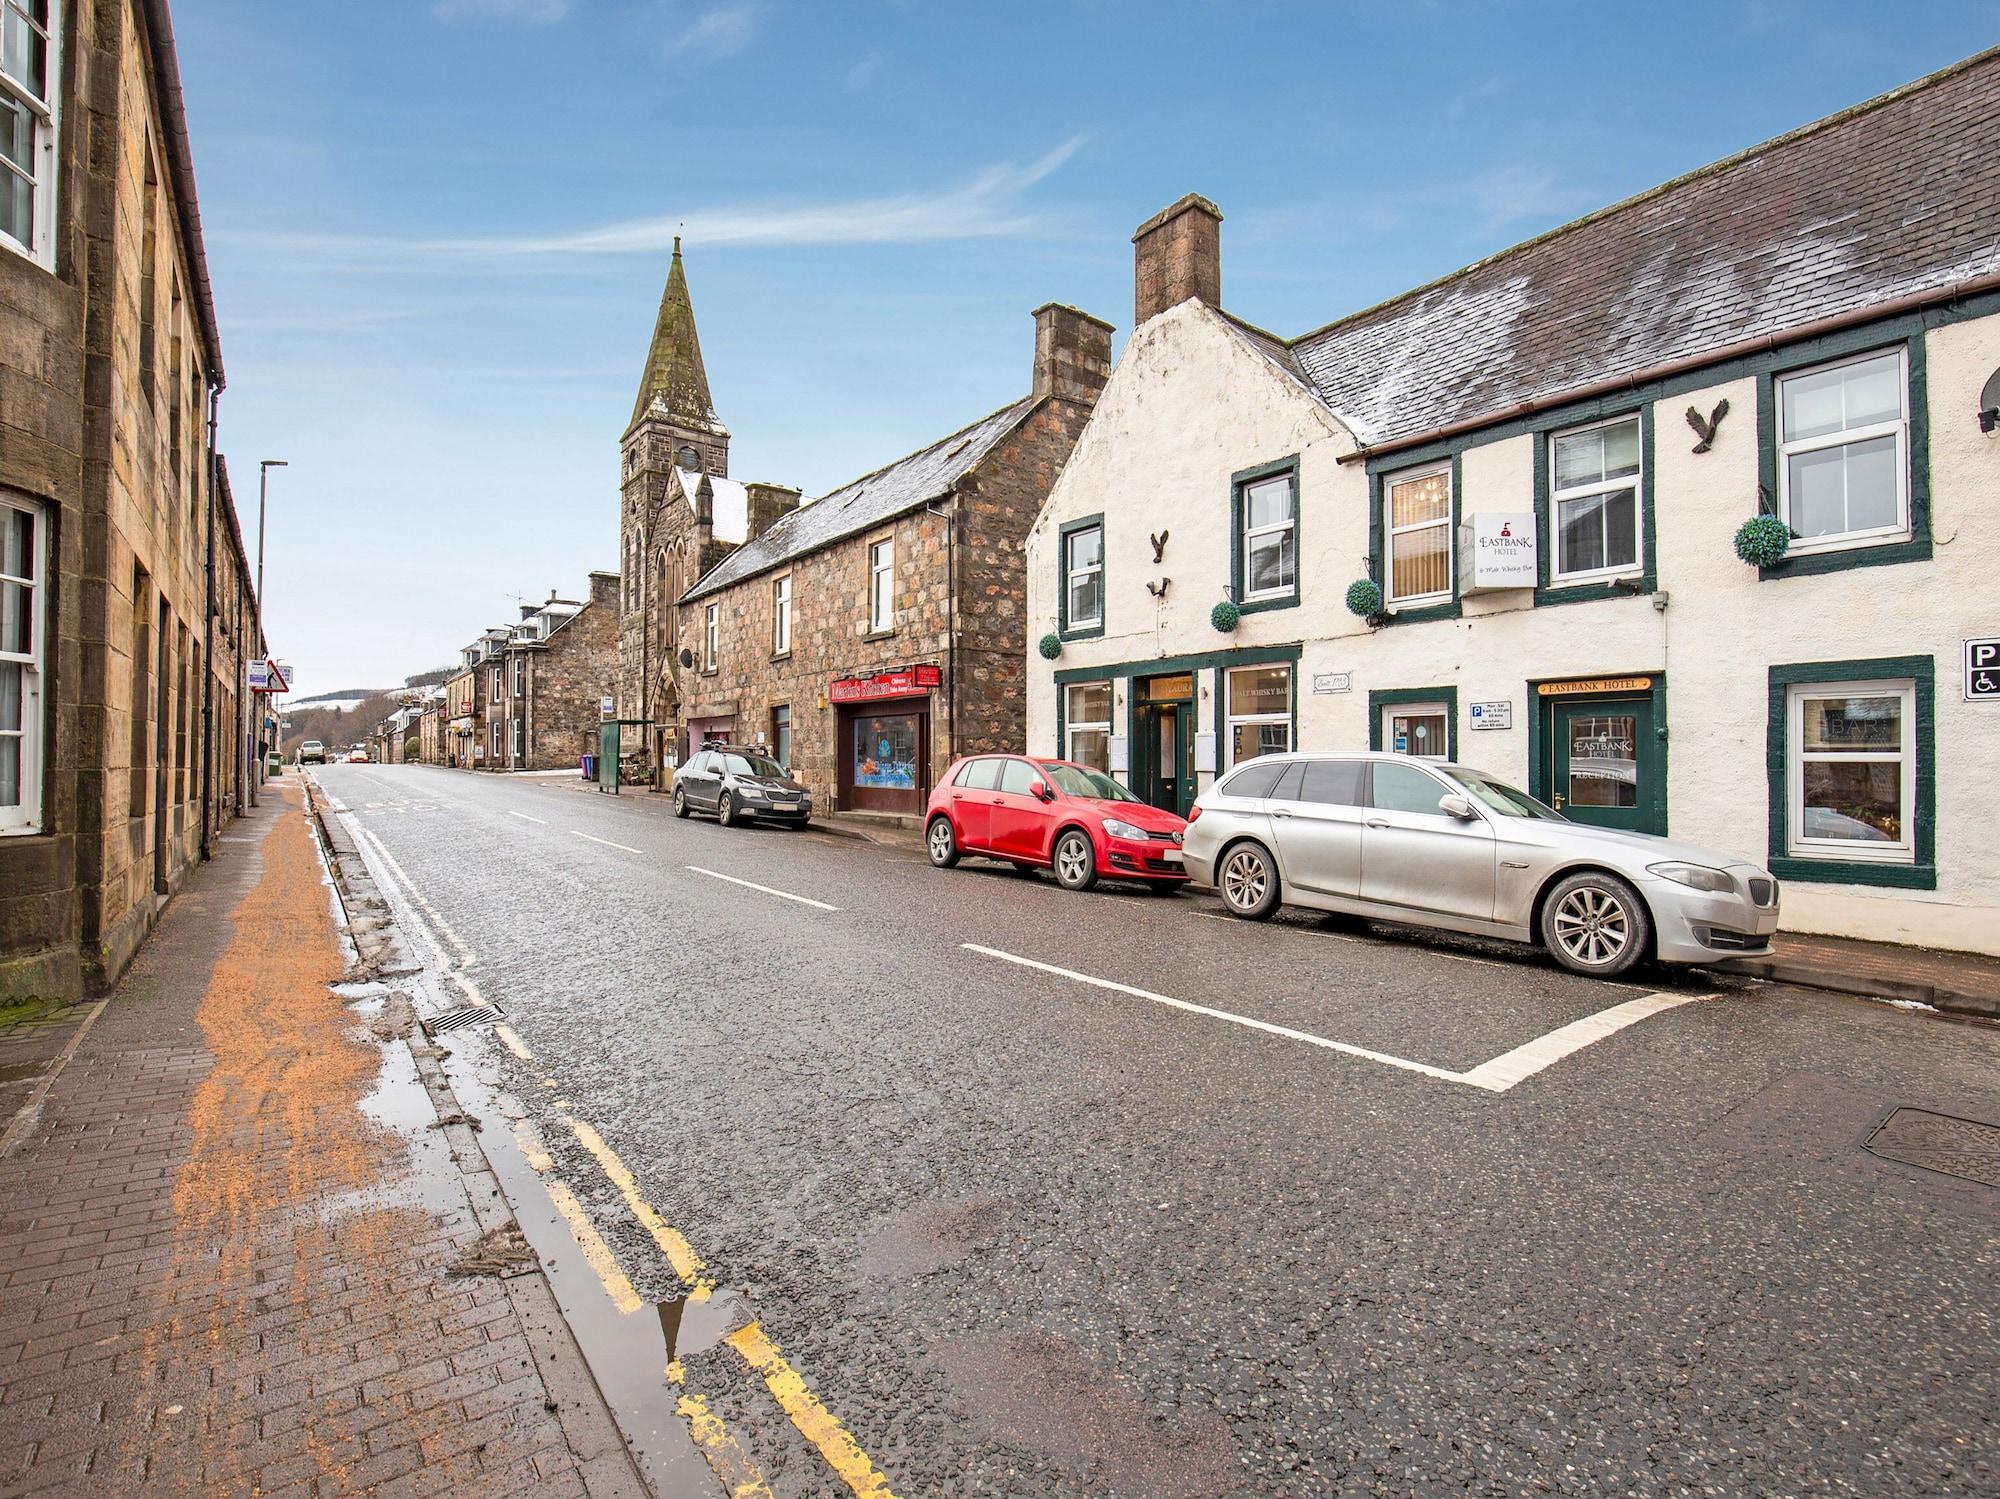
(1982, 670)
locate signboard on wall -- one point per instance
(1982, 670)
(1497, 550)
(1333, 681)
(1121, 757)
(1493, 715)
(899, 681)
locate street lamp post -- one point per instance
(263, 488)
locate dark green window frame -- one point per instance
(1906, 333)
(1063, 628)
(1219, 695)
(1160, 666)
(1378, 531)
(1397, 697)
(1919, 875)
(1547, 590)
(1239, 482)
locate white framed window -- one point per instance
(1270, 539)
(882, 585)
(1421, 730)
(1416, 529)
(1595, 505)
(520, 675)
(781, 615)
(493, 686)
(520, 741)
(1851, 770)
(1083, 577)
(29, 34)
(711, 636)
(1843, 452)
(1257, 712)
(23, 595)
(1087, 724)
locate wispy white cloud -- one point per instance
(1518, 192)
(990, 204)
(537, 11)
(723, 30)
(857, 78)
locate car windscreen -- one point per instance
(1498, 796)
(1091, 785)
(754, 765)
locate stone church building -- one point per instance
(866, 638)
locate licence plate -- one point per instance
(1171, 855)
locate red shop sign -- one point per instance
(902, 681)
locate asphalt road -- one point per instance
(1028, 1235)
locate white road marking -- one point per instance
(526, 818)
(1495, 1076)
(818, 905)
(607, 842)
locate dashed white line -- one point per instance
(526, 818)
(625, 847)
(818, 905)
(1495, 1076)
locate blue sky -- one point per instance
(438, 230)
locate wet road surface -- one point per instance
(1056, 1194)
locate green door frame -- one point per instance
(1143, 768)
(1650, 750)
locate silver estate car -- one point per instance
(1435, 844)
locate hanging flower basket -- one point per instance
(1051, 646)
(1763, 540)
(1364, 597)
(1225, 616)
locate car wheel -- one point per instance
(1248, 882)
(1595, 924)
(680, 802)
(941, 843)
(725, 810)
(1076, 861)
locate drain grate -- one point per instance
(1939, 1142)
(464, 1015)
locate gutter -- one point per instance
(208, 643)
(180, 165)
(1762, 343)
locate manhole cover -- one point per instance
(452, 1020)
(1940, 1142)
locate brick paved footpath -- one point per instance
(221, 1276)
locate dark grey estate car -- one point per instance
(740, 785)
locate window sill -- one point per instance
(781, 655)
(1416, 613)
(880, 634)
(1915, 548)
(1082, 632)
(1270, 601)
(1794, 870)
(1614, 586)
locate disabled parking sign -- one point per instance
(1982, 670)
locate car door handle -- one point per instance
(1377, 822)
(1281, 811)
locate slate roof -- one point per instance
(868, 501)
(1892, 197)
(728, 506)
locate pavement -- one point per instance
(955, 1183)
(234, 1223)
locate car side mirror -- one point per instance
(1040, 791)
(1453, 805)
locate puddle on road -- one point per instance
(400, 1103)
(627, 1353)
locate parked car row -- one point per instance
(1421, 842)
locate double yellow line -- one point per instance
(718, 1445)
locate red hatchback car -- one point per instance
(1052, 814)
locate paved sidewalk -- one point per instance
(1962, 983)
(226, 1237)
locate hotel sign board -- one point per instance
(900, 681)
(1497, 551)
(1594, 684)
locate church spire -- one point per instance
(675, 385)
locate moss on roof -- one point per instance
(675, 378)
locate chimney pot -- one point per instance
(1072, 354)
(769, 504)
(1177, 255)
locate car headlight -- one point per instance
(1119, 829)
(1694, 876)
(750, 793)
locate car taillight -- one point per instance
(1194, 813)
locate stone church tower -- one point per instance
(673, 432)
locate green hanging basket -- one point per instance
(1225, 616)
(1763, 540)
(1364, 597)
(1051, 646)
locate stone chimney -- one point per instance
(769, 504)
(1177, 254)
(529, 611)
(1072, 354)
(704, 515)
(604, 589)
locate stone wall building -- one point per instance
(867, 638)
(130, 617)
(545, 684)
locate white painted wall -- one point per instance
(1190, 403)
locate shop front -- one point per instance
(1599, 751)
(882, 739)
(719, 728)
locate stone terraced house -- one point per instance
(1498, 518)
(127, 617)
